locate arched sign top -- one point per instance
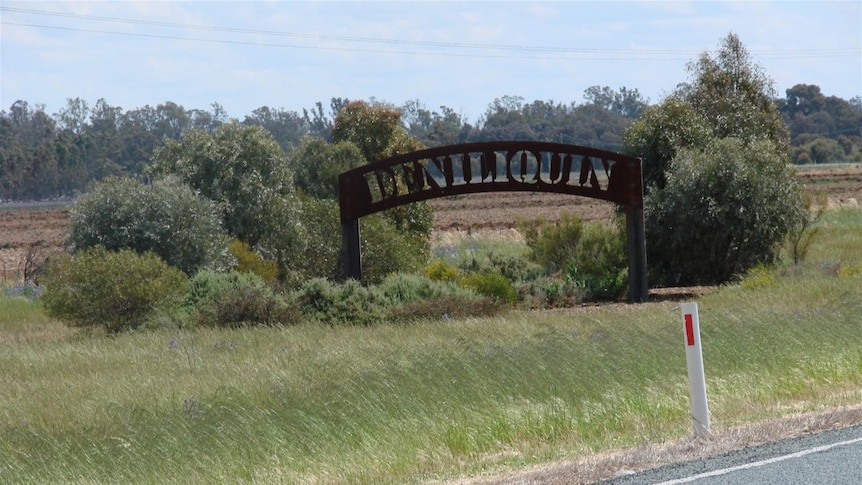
(496, 167)
(490, 167)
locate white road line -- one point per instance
(756, 464)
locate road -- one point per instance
(830, 457)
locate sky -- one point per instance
(289, 55)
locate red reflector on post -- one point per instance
(689, 329)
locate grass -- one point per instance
(427, 401)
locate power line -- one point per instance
(319, 36)
(623, 55)
(565, 52)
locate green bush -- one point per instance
(553, 246)
(235, 299)
(492, 285)
(116, 290)
(241, 168)
(166, 218)
(725, 209)
(418, 297)
(601, 262)
(307, 242)
(548, 292)
(317, 164)
(387, 250)
(345, 303)
(592, 257)
(406, 288)
(248, 261)
(440, 270)
(308, 245)
(758, 277)
(515, 267)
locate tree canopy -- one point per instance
(721, 197)
(46, 155)
(241, 168)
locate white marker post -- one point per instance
(696, 378)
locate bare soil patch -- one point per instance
(841, 185)
(498, 210)
(42, 230)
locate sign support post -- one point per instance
(696, 377)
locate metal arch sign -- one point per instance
(496, 167)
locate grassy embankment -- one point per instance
(430, 400)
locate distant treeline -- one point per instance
(45, 156)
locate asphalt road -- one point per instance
(829, 457)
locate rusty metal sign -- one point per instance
(496, 167)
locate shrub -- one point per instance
(515, 267)
(235, 299)
(166, 218)
(241, 168)
(552, 293)
(333, 303)
(440, 270)
(601, 264)
(308, 245)
(317, 164)
(112, 289)
(248, 261)
(493, 285)
(387, 250)
(724, 210)
(803, 232)
(405, 288)
(553, 246)
(418, 297)
(758, 277)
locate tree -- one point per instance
(374, 128)
(736, 97)
(814, 118)
(166, 218)
(720, 197)
(306, 244)
(377, 131)
(434, 128)
(660, 132)
(74, 116)
(725, 209)
(28, 159)
(588, 124)
(819, 150)
(320, 124)
(317, 164)
(287, 127)
(804, 99)
(241, 168)
(625, 102)
(729, 96)
(505, 120)
(208, 121)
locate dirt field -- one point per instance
(37, 231)
(43, 229)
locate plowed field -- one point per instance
(41, 230)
